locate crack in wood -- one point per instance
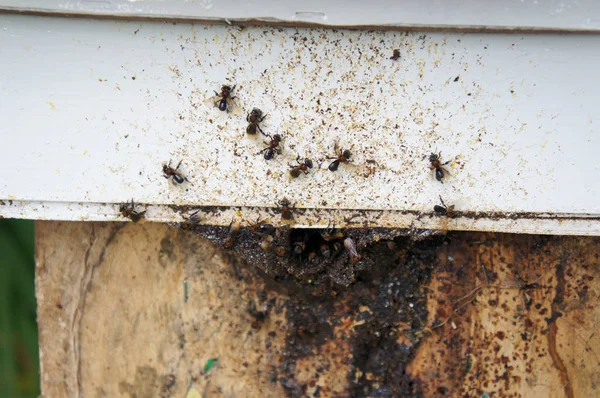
(85, 284)
(553, 329)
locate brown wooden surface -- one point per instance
(508, 315)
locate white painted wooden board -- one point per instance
(90, 110)
(581, 15)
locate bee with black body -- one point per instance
(224, 99)
(341, 157)
(254, 118)
(437, 165)
(176, 176)
(272, 147)
(286, 210)
(443, 210)
(191, 220)
(302, 166)
(128, 210)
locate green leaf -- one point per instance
(210, 364)
(19, 361)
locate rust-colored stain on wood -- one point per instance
(140, 310)
(518, 316)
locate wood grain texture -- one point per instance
(507, 315)
(114, 320)
(521, 318)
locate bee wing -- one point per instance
(446, 172)
(213, 101)
(234, 109)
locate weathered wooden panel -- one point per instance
(140, 309)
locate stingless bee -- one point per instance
(128, 210)
(437, 165)
(272, 147)
(302, 166)
(224, 99)
(342, 156)
(254, 118)
(174, 173)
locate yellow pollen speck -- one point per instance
(193, 393)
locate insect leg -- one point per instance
(262, 132)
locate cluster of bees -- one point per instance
(224, 100)
(310, 245)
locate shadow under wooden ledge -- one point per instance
(148, 310)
